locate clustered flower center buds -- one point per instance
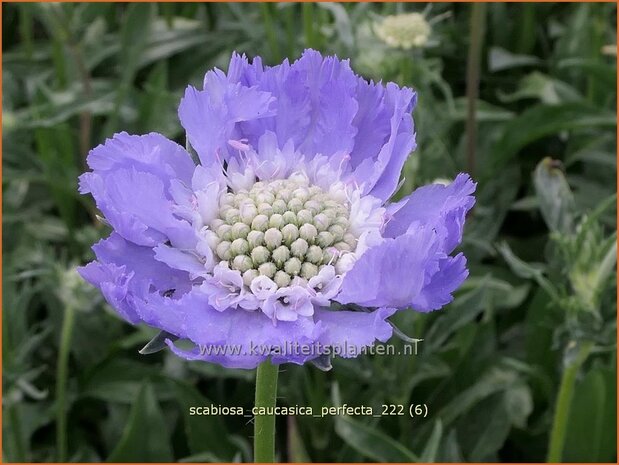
(405, 30)
(286, 230)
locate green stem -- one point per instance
(61, 383)
(564, 401)
(478, 24)
(271, 33)
(264, 426)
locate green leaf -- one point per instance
(518, 404)
(500, 59)
(545, 120)
(205, 433)
(556, 201)
(370, 442)
(145, 437)
(431, 450)
(591, 429)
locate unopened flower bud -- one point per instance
(260, 223)
(321, 222)
(242, 263)
(232, 216)
(308, 232)
(279, 206)
(289, 218)
(239, 230)
(248, 212)
(260, 255)
(239, 246)
(276, 221)
(265, 209)
(282, 279)
(273, 238)
(223, 250)
(308, 270)
(225, 232)
(249, 276)
(304, 216)
(313, 206)
(298, 248)
(255, 238)
(290, 233)
(267, 269)
(325, 239)
(280, 255)
(293, 266)
(314, 254)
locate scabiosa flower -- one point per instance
(406, 30)
(283, 232)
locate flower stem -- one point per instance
(61, 383)
(264, 426)
(564, 401)
(478, 24)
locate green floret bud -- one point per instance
(308, 232)
(295, 205)
(282, 279)
(314, 255)
(223, 250)
(313, 206)
(290, 233)
(239, 230)
(308, 270)
(289, 218)
(249, 276)
(216, 223)
(265, 209)
(273, 238)
(293, 266)
(276, 221)
(232, 216)
(260, 255)
(239, 247)
(279, 206)
(267, 269)
(225, 232)
(260, 223)
(337, 231)
(298, 248)
(242, 263)
(255, 238)
(301, 193)
(285, 195)
(351, 240)
(342, 246)
(248, 212)
(304, 216)
(321, 222)
(280, 255)
(325, 239)
(227, 199)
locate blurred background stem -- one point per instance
(476, 38)
(264, 425)
(564, 401)
(61, 383)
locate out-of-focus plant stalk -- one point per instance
(264, 425)
(564, 401)
(62, 374)
(271, 33)
(476, 40)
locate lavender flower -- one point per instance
(286, 213)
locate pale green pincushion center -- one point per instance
(281, 229)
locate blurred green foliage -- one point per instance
(541, 240)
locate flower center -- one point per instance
(284, 229)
